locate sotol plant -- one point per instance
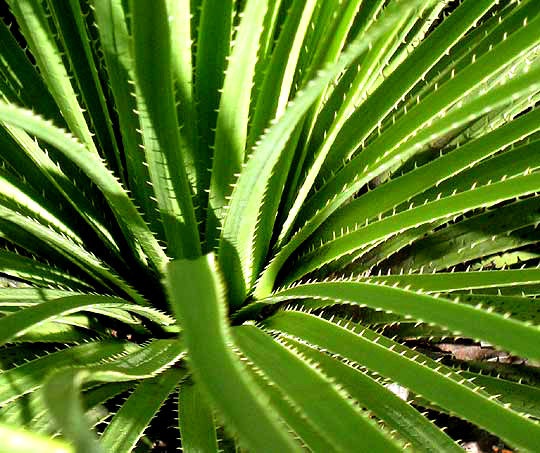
(256, 215)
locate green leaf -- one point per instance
(308, 432)
(377, 106)
(448, 122)
(423, 434)
(16, 439)
(129, 423)
(456, 281)
(68, 195)
(207, 337)
(401, 189)
(414, 371)
(20, 321)
(73, 252)
(96, 170)
(161, 139)
(236, 252)
(24, 74)
(196, 420)
(509, 227)
(62, 396)
(32, 18)
(357, 90)
(121, 309)
(215, 31)
(462, 319)
(180, 14)
(21, 197)
(294, 139)
(25, 268)
(522, 397)
(146, 362)
(115, 43)
(397, 138)
(29, 376)
(440, 209)
(233, 113)
(311, 391)
(280, 72)
(71, 27)
(400, 145)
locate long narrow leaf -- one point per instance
(299, 381)
(464, 319)
(96, 170)
(157, 110)
(236, 253)
(419, 374)
(208, 341)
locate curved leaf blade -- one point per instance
(413, 370)
(197, 297)
(236, 248)
(463, 319)
(129, 423)
(96, 171)
(309, 389)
